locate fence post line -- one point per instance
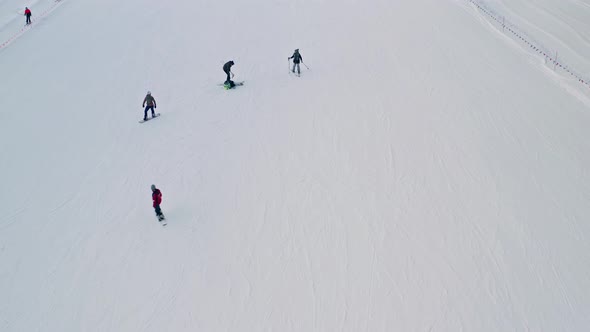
(523, 38)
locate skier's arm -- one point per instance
(154, 99)
(144, 100)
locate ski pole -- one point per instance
(305, 65)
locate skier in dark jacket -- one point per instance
(227, 70)
(297, 58)
(151, 104)
(157, 198)
(28, 15)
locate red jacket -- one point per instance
(27, 11)
(157, 197)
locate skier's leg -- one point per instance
(145, 113)
(294, 64)
(228, 77)
(159, 213)
(298, 69)
(153, 113)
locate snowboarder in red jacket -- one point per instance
(28, 15)
(157, 198)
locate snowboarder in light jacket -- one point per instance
(28, 15)
(157, 198)
(297, 58)
(151, 104)
(227, 70)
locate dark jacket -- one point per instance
(227, 66)
(151, 101)
(157, 197)
(297, 58)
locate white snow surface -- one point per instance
(427, 173)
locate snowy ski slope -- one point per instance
(426, 174)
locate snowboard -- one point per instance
(227, 87)
(162, 220)
(148, 119)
